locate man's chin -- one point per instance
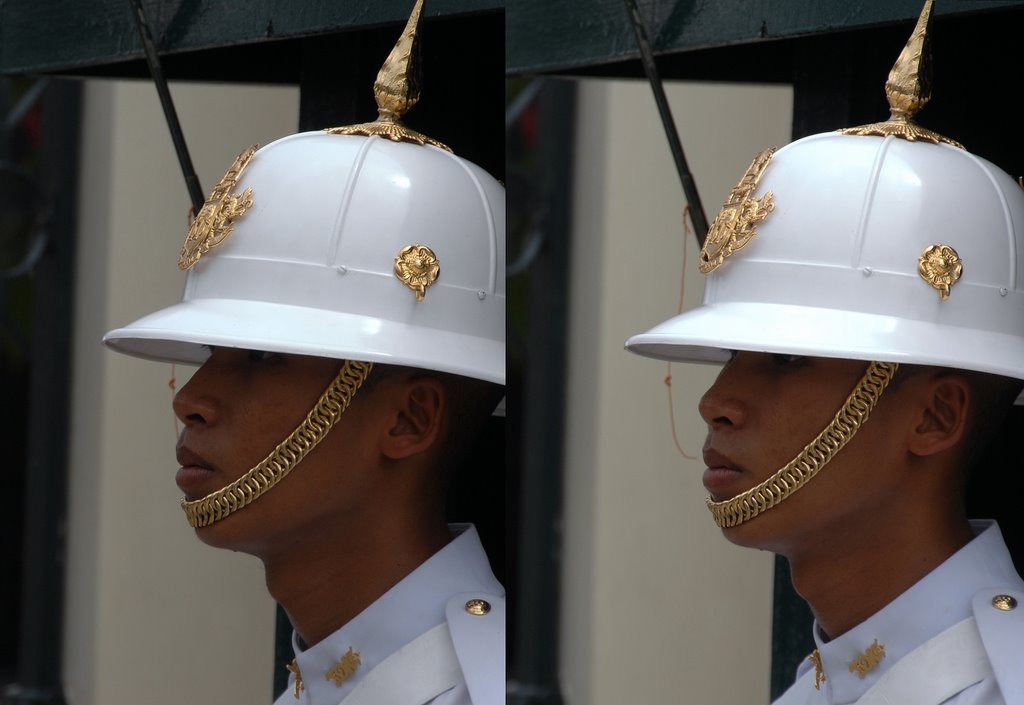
(759, 532)
(231, 533)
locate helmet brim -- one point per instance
(185, 332)
(706, 333)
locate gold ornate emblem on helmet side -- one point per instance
(940, 266)
(909, 89)
(397, 89)
(736, 223)
(217, 217)
(417, 267)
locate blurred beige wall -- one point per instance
(656, 606)
(151, 615)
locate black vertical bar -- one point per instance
(39, 665)
(822, 83)
(336, 79)
(541, 406)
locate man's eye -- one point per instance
(262, 355)
(789, 360)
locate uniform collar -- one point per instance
(936, 602)
(407, 610)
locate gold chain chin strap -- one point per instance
(814, 456)
(272, 469)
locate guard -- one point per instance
(345, 300)
(865, 292)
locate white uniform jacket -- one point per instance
(436, 637)
(956, 637)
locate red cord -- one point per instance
(668, 375)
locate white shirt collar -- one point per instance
(407, 610)
(933, 604)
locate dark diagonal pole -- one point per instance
(697, 217)
(191, 180)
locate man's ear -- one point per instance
(415, 424)
(945, 399)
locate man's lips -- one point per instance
(722, 478)
(194, 473)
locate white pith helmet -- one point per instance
(885, 242)
(833, 269)
(310, 267)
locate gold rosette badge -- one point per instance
(417, 267)
(940, 266)
(217, 217)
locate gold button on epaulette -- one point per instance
(1004, 602)
(478, 607)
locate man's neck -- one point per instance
(322, 588)
(854, 575)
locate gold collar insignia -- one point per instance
(344, 668)
(819, 672)
(293, 668)
(866, 663)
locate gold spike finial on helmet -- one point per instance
(397, 89)
(909, 89)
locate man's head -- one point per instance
(858, 253)
(332, 254)
(386, 461)
(908, 461)
(866, 248)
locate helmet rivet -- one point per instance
(342, 269)
(1003, 291)
(481, 295)
(867, 271)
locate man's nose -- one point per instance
(196, 402)
(724, 404)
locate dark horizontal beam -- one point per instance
(594, 37)
(99, 37)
